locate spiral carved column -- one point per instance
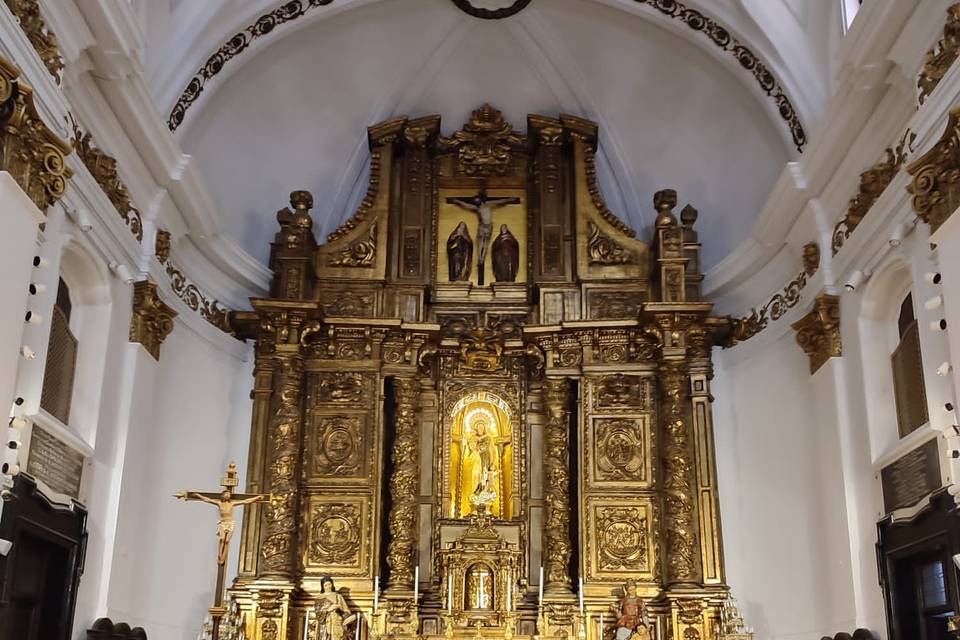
(279, 538)
(680, 523)
(404, 486)
(556, 489)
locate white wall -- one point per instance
(781, 498)
(191, 411)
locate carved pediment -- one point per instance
(486, 144)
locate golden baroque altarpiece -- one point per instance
(481, 378)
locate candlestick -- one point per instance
(376, 593)
(450, 594)
(416, 585)
(540, 599)
(581, 596)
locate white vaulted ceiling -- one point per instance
(674, 110)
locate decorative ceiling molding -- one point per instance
(44, 41)
(873, 182)
(491, 14)
(940, 58)
(721, 37)
(777, 306)
(230, 49)
(698, 22)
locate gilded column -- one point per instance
(680, 526)
(283, 449)
(404, 486)
(556, 487)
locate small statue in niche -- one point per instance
(632, 620)
(331, 612)
(459, 254)
(506, 256)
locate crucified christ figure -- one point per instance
(484, 207)
(225, 502)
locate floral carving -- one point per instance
(360, 253)
(556, 483)
(404, 485)
(44, 41)
(678, 478)
(485, 144)
(940, 58)
(818, 332)
(603, 249)
(936, 177)
(152, 320)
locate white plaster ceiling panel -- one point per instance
(294, 114)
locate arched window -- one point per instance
(908, 385)
(61, 359)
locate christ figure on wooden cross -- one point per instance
(484, 207)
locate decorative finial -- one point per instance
(302, 202)
(688, 215)
(664, 201)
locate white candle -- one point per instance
(416, 585)
(581, 596)
(509, 590)
(306, 626)
(376, 593)
(483, 594)
(540, 601)
(356, 633)
(601, 626)
(450, 594)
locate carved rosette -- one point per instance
(679, 499)
(152, 320)
(818, 332)
(33, 154)
(283, 438)
(936, 176)
(556, 486)
(404, 486)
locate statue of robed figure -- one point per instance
(633, 623)
(332, 612)
(459, 253)
(506, 256)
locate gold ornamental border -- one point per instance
(701, 24)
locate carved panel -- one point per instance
(338, 531)
(620, 391)
(619, 450)
(342, 387)
(619, 540)
(340, 447)
(614, 305)
(349, 304)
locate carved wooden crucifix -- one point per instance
(484, 207)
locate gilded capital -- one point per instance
(818, 332)
(936, 176)
(152, 319)
(33, 154)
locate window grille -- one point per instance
(908, 383)
(61, 360)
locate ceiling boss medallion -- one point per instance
(491, 9)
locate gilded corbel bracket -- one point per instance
(152, 319)
(936, 176)
(818, 332)
(29, 150)
(940, 58)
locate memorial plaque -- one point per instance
(55, 463)
(913, 476)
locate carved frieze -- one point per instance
(936, 176)
(342, 387)
(44, 41)
(940, 58)
(818, 332)
(152, 319)
(619, 390)
(29, 151)
(873, 182)
(348, 304)
(614, 305)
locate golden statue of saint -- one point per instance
(482, 447)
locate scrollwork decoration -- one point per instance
(603, 249)
(940, 58)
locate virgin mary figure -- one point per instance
(331, 612)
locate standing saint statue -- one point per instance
(481, 443)
(632, 620)
(506, 256)
(459, 254)
(484, 207)
(331, 612)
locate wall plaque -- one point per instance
(913, 476)
(55, 463)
